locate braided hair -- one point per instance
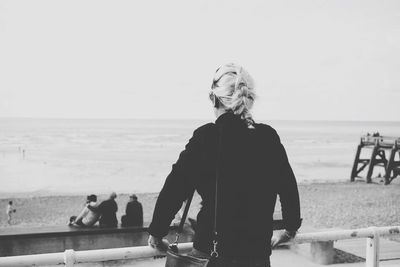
(233, 87)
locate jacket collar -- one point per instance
(228, 117)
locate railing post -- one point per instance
(69, 258)
(372, 253)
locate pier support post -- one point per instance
(355, 164)
(389, 165)
(392, 165)
(372, 162)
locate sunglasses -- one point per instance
(224, 70)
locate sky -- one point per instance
(311, 60)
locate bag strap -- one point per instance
(214, 252)
(184, 215)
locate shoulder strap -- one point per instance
(214, 252)
(174, 246)
(185, 212)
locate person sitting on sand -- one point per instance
(108, 209)
(134, 213)
(10, 211)
(87, 217)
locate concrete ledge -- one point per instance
(24, 241)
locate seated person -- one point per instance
(87, 217)
(108, 209)
(134, 213)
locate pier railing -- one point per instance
(71, 257)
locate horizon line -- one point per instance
(186, 119)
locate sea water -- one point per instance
(81, 156)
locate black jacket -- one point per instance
(253, 168)
(108, 209)
(134, 213)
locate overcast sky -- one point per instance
(324, 60)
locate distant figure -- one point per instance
(108, 209)
(87, 217)
(10, 211)
(134, 213)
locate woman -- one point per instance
(253, 169)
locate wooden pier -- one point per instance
(380, 147)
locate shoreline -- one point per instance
(48, 193)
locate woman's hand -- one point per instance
(281, 237)
(158, 243)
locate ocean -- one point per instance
(82, 156)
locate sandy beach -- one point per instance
(323, 205)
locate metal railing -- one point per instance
(71, 257)
(383, 141)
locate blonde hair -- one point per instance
(233, 87)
